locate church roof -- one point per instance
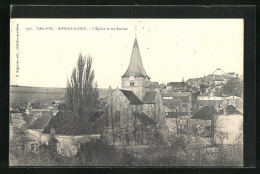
(134, 100)
(144, 118)
(149, 97)
(135, 67)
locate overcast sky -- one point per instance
(170, 48)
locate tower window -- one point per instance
(132, 83)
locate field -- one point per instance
(21, 95)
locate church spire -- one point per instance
(135, 67)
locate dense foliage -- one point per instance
(81, 92)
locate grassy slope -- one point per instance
(21, 95)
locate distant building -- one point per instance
(212, 80)
(223, 127)
(210, 99)
(28, 108)
(175, 86)
(229, 126)
(235, 101)
(177, 101)
(154, 85)
(202, 121)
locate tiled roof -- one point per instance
(209, 102)
(174, 94)
(23, 137)
(144, 118)
(215, 94)
(149, 97)
(172, 104)
(42, 121)
(205, 113)
(231, 73)
(175, 114)
(230, 110)
(176, 84)
(67, 123)
(134, 100)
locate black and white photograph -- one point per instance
(126, 92)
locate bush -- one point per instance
(96, 152)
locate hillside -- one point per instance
(21, 95)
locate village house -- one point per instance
(178, 108)
(235, 101)
(222, 127)
(202, 122)
(69, 131)
(229, 126)
(21, 142)
(135, 112)
(175, 86)
(212, 98)
(37, 126)
(212, 80)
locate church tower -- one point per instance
(135, 78)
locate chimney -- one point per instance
(225, 110)
(55, 109)
(52, 130)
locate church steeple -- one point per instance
(135, 67)
(135, 78)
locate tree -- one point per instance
(203, 88)
(81, 92)
(234, 87)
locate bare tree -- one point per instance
(81, 92)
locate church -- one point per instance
(135, 113)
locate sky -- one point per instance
(171, 49)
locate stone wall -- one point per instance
(68, 145)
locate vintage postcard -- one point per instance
(126, 92)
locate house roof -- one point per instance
(67, 123)
(230, 110)
(134, 100)
(209, 102)
(144, 118)
(172, 104)
(135, 67)
(176, 84)
(149, 97)
(23, 137)
(215, 94)
(226, 76)
(41, 121)
(174, 94)
(231, 73)
(205, 113)
(176, 114)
